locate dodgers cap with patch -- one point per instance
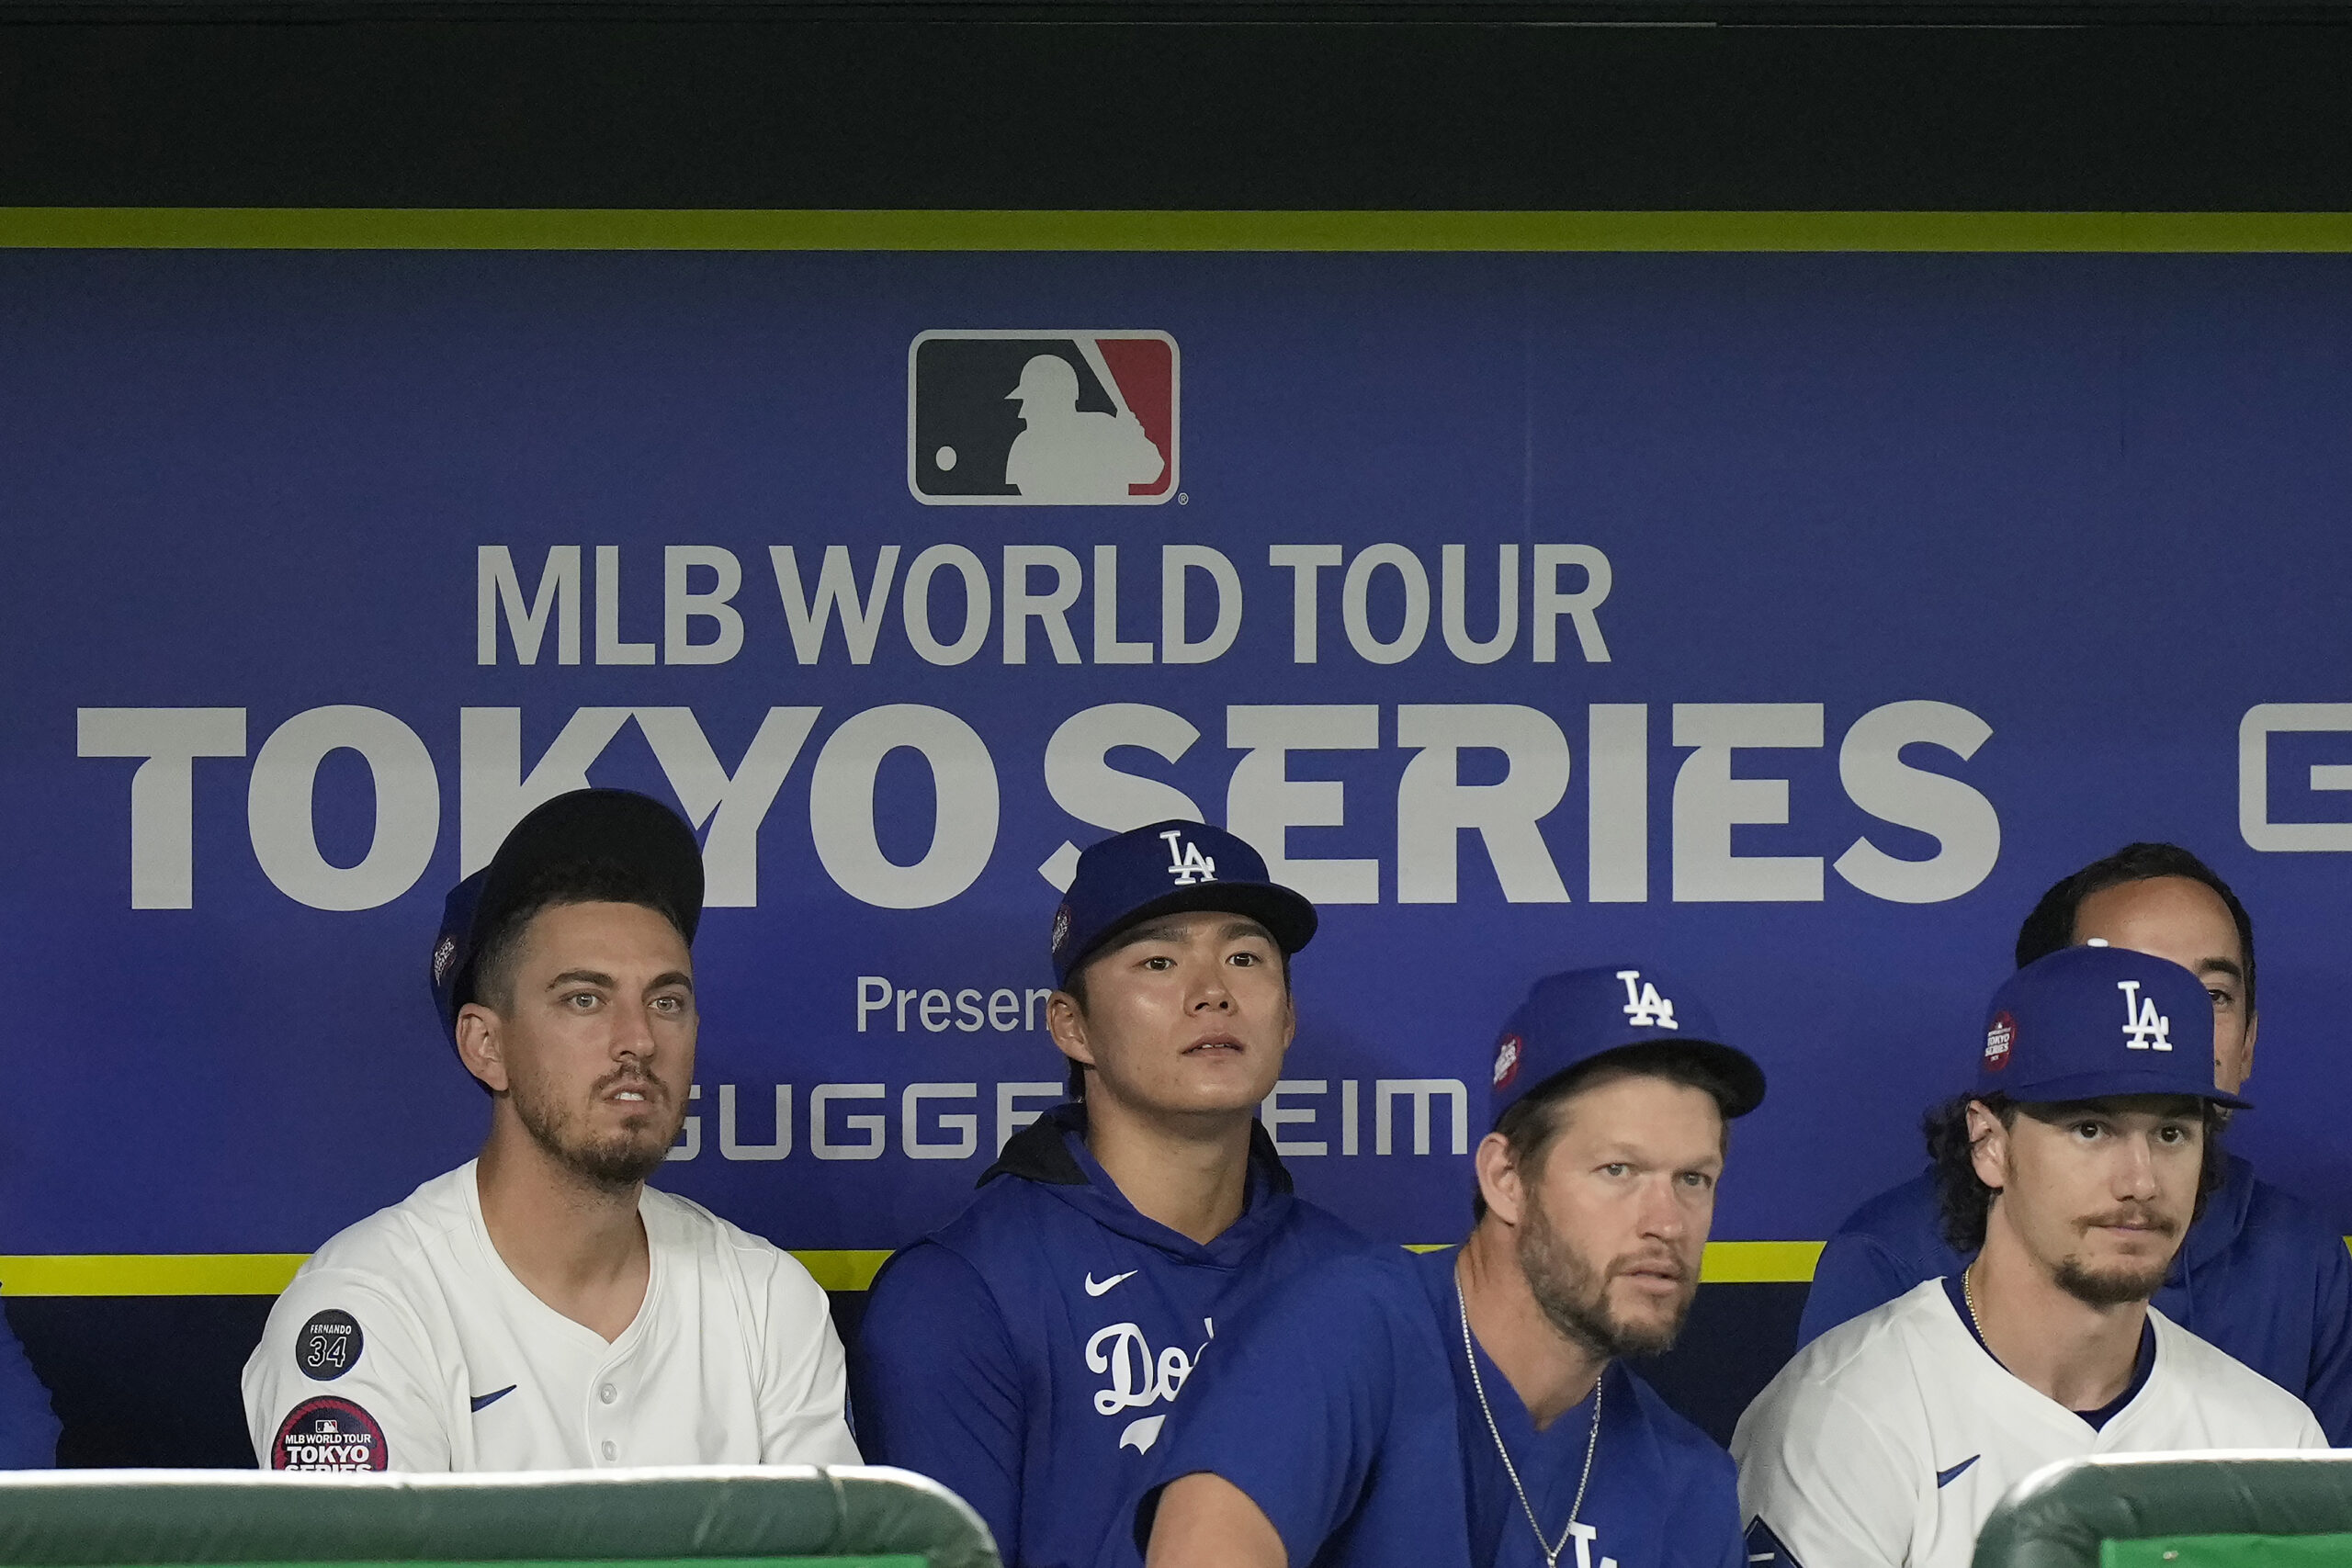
(633, 836)
(1168, 868)
(2089, 1023)
(1576, 1020)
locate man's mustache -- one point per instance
(2145, 1219)
(636, 1079)
(1665, 1263)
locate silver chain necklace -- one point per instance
(1551, 1550)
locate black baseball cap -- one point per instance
(584, 829)
(1167, 868)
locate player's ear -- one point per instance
(1499, 1179)
(1988, 1144)
(1066, 1026)
(481, 1047)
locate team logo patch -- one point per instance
(446, 951)
(1998, 1038)
(329, 1434)
(328, 1345)
(1507, 1053)
(1061, 927)
(1042, 418)
(1645, 1008)
(1764, 1547)
(2144, 1029)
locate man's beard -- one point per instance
(1575, 1296)
(622, 1159)
(2120, 1285)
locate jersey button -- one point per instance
(611, 1449)
(608, 1394)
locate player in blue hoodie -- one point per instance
(28, 1425)
(2260, 1275)
(1027, 1354)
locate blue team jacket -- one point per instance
(1027, 1354)
(2261, 1276)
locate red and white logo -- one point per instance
(1997, 1041)
(1042, 418)
(1507, 1052)
(329, 1434)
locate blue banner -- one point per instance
(1792, 621)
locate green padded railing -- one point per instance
(2132, 1508)
(715, 1517)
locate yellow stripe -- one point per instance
(150, 1274)
(844, 1271)
(257, 228)
(265, 1273)
(1758, 1262)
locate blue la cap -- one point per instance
(583, 828)
(1168, 868)
(1573, 1019)
(2086, 1023)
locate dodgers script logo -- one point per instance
(1042, 418)
(1645, 1008)
(2144, 1029)
(1139, 1378)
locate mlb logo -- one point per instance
(1042, 418)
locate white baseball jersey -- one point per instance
(1889, 1438)
(407, 1344)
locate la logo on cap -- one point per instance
(2144, 1029)
(1185, 862)
(1645, 1008)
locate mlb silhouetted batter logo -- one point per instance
(1042, 418)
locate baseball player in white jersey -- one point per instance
(540, 1307)
(2077, 1165)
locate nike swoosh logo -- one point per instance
(482, 1402)
(1946, 1477)
(1095, 1287)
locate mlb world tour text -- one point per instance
(1724, 779)
(947, 588)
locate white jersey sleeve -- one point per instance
(1821, 1483)
(345, 1380)
(804, 1384)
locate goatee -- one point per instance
(1574, 1294)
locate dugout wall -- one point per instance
(1883, 405)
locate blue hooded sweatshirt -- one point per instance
(28, 1425)
(2260, 1276)
(1026, 1355)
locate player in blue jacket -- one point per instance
(1470, 1406)
(2260, 1275)
(28, 1425)
(1027, 1354)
